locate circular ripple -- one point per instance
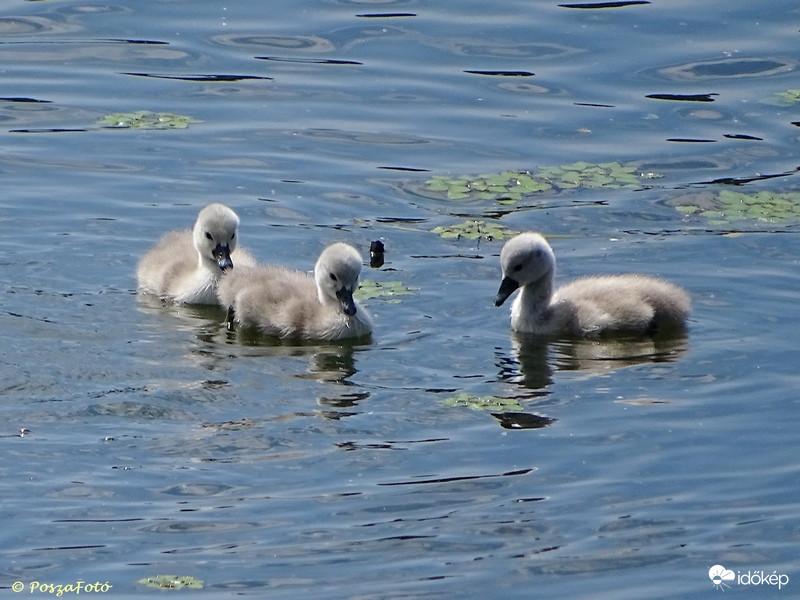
(308, 43)
(195, 527)
(514, 51)
(524, 88)
(197, 489)
(33, 25)
(373, 2)
(17, 26)
(728, 68)
(385, 139)
(99, 9)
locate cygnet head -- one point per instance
(215, 234)
(526, 259)
(336, 274)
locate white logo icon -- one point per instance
(719, 575)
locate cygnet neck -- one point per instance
(536, 296)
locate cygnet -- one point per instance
(277, 301)
(185, 265)
(586, 307)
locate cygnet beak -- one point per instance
(222, 255)
(507, 287)
(345, 297)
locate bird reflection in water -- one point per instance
(533, 362)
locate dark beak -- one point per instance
(222, 254)
(345, 296)
(507, 287)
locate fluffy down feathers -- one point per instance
(585, 307)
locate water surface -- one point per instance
(143, 439)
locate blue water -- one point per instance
(142, 440)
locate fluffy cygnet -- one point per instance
(185, 265)
(291, 304)
(589, 306)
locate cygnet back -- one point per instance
(589, 306)
(277, 301)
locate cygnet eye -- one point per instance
(333, 276)
(517, 268)
(209, 236)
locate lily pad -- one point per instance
(144, 119)
(511, 186)
(172, 582)
(490, 403)
(610, 175)
(507, 186)
(386, 291)
(785, 98)
(729, 206)
(473, 230)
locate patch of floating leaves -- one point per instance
(728, 206)
(144, 119)
(785, 98)
(489, 403)
(505, 187)
(473, 230)
(386, 291)
(511, 186)
(172, 582)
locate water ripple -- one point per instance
(728, 68)
(304, 43)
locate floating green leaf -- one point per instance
(785, 98)
(473, 230)
(387, 291)
(172, 582)
(144, 119)
(581, 174)
(490, 403)
(511, 186)
(729, 206)
(508, 186)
